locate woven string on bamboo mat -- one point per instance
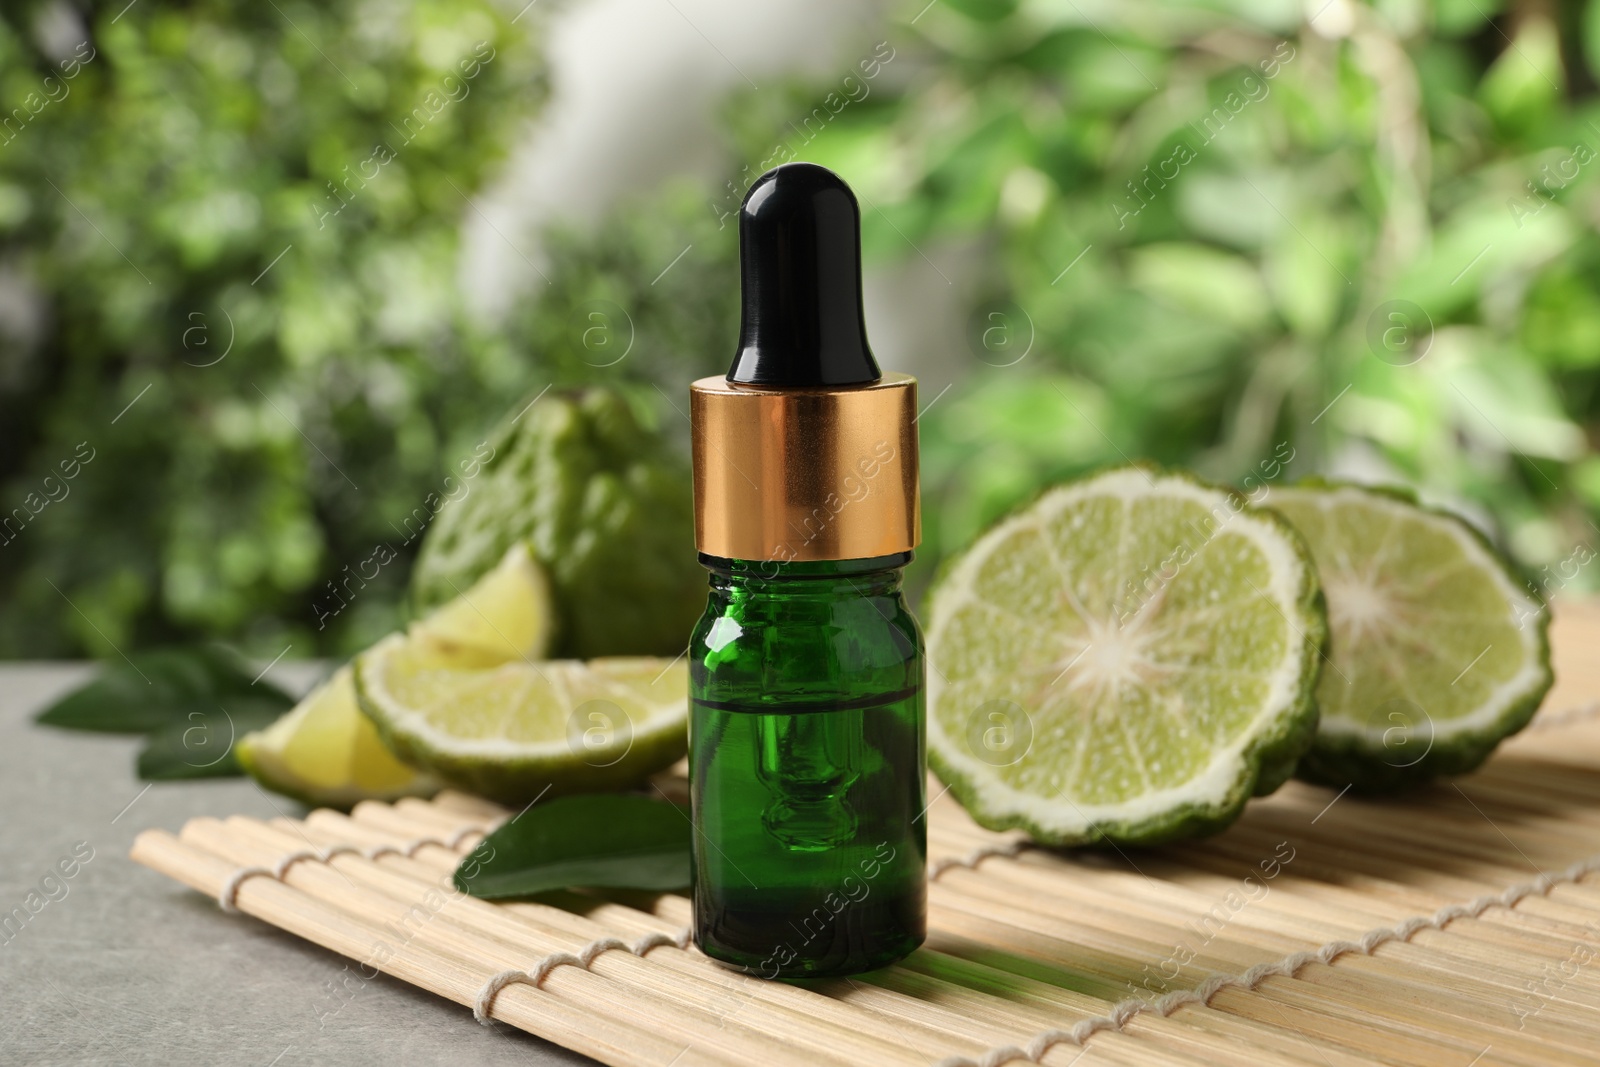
(1452, 927)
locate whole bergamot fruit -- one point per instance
(606, 505)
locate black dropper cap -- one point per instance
(800, 272)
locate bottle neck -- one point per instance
(877, 576)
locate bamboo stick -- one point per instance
(466, 804)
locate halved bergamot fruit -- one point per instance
(514, 730)
(1436, 651)
(1127, 659)
(325, 752)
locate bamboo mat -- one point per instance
(1453, 927)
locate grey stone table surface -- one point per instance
(123, 965)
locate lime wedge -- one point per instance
(513, 731)
(1128, 659)
(1436, 651)
(325, 753)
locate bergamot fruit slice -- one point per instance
(1128, 659)
(1436, 651)
(325, 753)
(505, 614)
(513, 731)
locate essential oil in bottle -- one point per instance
(806, 736)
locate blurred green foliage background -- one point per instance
(1215, 235)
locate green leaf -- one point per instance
(593, 840)
(201, 744)
(152, 690)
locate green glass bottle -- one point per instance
(806, 736)
(806, 747)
